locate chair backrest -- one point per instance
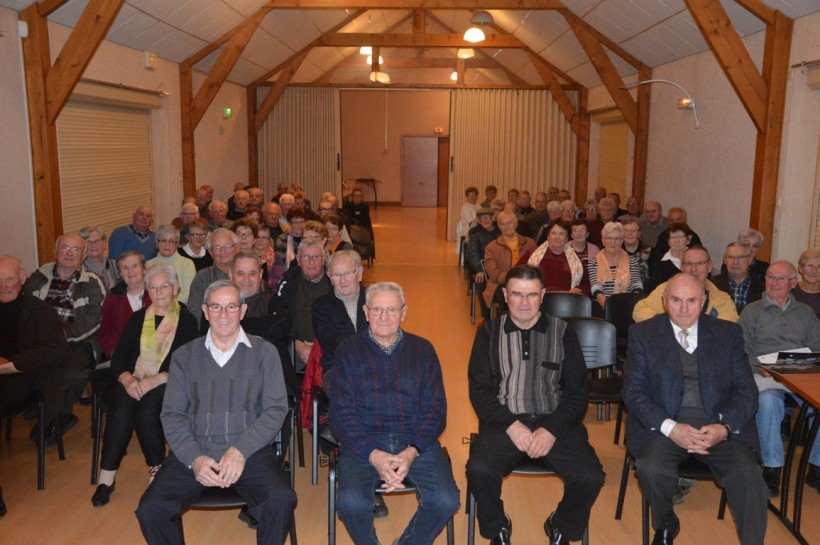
(597, 338)
(618, 311)
(566, 304)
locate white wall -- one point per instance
(17, 203)
(709, 171)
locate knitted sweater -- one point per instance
(208, 408)
(373, 393)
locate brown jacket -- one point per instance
(498, 261)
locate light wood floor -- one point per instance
(411, 251)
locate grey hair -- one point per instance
(607, 201)
(350, 254)
(214, 203)
(161, 269)
(553, 206)
(612, 226)
(310, 244)
(85, 232)
(379, 287)
(736, 244)
(218, 285)
(169, 229)
(749, 232)
(245, 255)
(784, 262)
(224, 231)
(808, 254)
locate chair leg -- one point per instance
(314, 470)
(619, 507)
(645, 519)
(473, 295)
(470, 519)
(96, 434)
(451, 537)
(585, 537)
(331, 502)
(618, 418)
(293, 540)
(722, 508)
(297, 429)
(41, 447)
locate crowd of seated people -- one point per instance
(291, 276)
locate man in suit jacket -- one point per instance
(690, 392)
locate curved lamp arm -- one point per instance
(684, 91)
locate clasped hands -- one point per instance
(535, 444)
(223, 473)
(136, 388)
(392, 468)
(698, 440)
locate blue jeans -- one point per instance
(770, 412)
(431, 475)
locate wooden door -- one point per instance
(419, 171)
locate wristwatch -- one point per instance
(414, 446)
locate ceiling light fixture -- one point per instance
(370, 59)
(454, 75)
(376, 75)
(465, 53)
(479, 19)
(379, 77)
(684, 103)
(366, 50)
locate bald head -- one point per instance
(12, 278)
(683, 298)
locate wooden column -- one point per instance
(641, 149)
(186, 99)
(579, 194)
(253, 141)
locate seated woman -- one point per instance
(633, 244)
(594, 223)
(194, 248)
(140, 363)
(613, 270)
(468, 212)
(579, 243)
(808, 289)
(502, 253)
(246, 232)
(167, 242)
(669, 265)
(123, 300)
(287, 245)
(561, 269)
(316, 230)
(95, 260)
(255, 215)
(334, 225)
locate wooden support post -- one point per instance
(769, 141)
(641, 149)
(582, 155)
(253, 141)
(186, 98)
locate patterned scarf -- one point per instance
(155, 342)
(576, 268)
(621, 275)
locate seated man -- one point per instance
(223, 246)
(778, 322)
(32, 344)
(518, 420)
(77, 295)
(136, 236)
(690, 392)
(695, 261)
(298, 289)
(387, 409)
(225, 442)
(735, 279)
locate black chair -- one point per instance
(319, 400)
(527, 467)
(219, 499)
(101, 382)
(332, 479)
(36, 403)
(618, 311)
(689, 469)
(566, 304)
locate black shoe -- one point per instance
(102, 495)
(67, 421)
(3, 509)
(246, 517)
(772, 477)
(380, 508)
(554, 534)
(812, 477)
(667, 535)
(503, 537)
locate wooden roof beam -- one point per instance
(573, 19)
(557, 92)
(356, 39)
(733, 57)
(277, 91)
(424, 62)
(759, 10)
(222, 40)
(413, 4)
(47, 7)
(606, 71)
(220, 71)
(82, 43)
(270, 73)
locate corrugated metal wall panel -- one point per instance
(510, 138)
(300, 142)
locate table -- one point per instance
(807, 386)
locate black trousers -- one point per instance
(493, 456)
(263, 486)
(735, 467)
(76, 366)
(125, 415)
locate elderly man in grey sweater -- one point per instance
(224, 404)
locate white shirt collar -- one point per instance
(221, 357)
(692, 337)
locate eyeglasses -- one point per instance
(246, 234)
(231, 308)
(344, 275)
(694, 264)
(810, 266)
(94, 242)
(631, 231)
(676, 237)
(297, 222)
(612, 239)
(189, 214)
(780, 279)
(224, 248)
(380, 311)
(750, 245)
(311, 257)
(332, 228)
(196, 235)
(736, 257)
(160, 287)
(67, 248)
(166, 241)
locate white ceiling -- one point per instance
(654, 31)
